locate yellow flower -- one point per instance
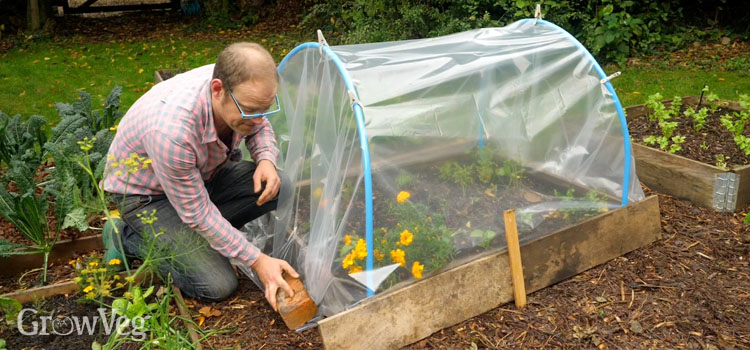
(383, 242)
(403, 196)
(93, 264)
(116, 277)
(360, 251)
(378, 255)
(399, 256)
(72, 263)
(406, 238)
(77, 280)
(355, 269)
(318, 192)
(113, 128)
(130, 279)
(105, 292)
(88, 289)
(416, 269)
(348, 261)
(118, 173)
(127, 295)
(347, 240)
(91, 295)
(115, 262)
(119, 285)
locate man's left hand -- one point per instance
(266, 172)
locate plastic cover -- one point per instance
(459, 128)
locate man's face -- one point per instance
(253, 97)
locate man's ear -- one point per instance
(217, 88)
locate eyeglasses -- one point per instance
(255, 115)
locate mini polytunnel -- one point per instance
(404, 155)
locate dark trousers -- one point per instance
(196, 268)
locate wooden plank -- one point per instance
(412, 313)
(187, 319)
(743, 193)
(61, 252)
(676, 175)
(514, 255)
(67, 287)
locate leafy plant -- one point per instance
(699, 118)
(27, 210)
(677, 144)
(404, 180)
(721, 161)
(462, 175)
(704, 145)
(513, 171)
(11, 307)
(485, 235)
(22, 139)
(419, 241)
(747, 218)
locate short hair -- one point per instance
(244, 61)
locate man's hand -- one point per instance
(266, 172)
(269, 272)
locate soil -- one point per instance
(56, 273)
(716, 137)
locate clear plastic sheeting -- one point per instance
(453, 131)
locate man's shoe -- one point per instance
(108, 238)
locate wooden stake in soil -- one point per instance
(514, 255)
(298, 309)
(186, 315)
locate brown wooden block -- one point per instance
(298, 309)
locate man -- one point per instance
(190, 128)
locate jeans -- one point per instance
(196, 268)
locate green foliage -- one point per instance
(721, 161)
(227, 14)
(22, 139)
(699, 118)
(677, 144)
(462, 175)
(747, 218)
(739, 65)
(613, 30)
(11, 307)
(404, 180)
(486, 237)
(78, 121)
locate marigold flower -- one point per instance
(93, 264)
(403, 196)
(72, 263)
(360, 251)
(406, 238)
(416, 269)
(88, 289)
(115, 262)
(347, 240)
(399, 256)
(378, 255)
(348, 261)
(355, 269)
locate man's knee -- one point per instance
(212, 287)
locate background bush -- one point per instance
(612, 30)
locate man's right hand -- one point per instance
(269, 271)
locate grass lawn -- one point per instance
(34, 78)
(637, 83)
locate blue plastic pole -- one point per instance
(363, 143)
(618, 106)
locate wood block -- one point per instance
(300, 308)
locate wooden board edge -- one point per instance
(674, 158)
(61, 252)
(407, 315)
(743, 192)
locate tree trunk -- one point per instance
(34, 16)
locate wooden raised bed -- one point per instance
(61, 252)
(401, 317)
(703, 184)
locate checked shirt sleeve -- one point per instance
(173, 163)
(262, 143)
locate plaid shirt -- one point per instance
(173, 125)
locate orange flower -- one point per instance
(406, 238)
(399, 256)
(416, 269)
(403, 196)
